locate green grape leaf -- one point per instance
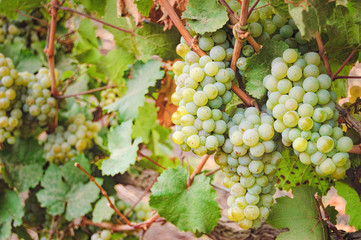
(23, 164)
(93, 5)
(144, 6)
(332, 213)
(353, 206)
(8, 8)
(26, 61)
(340, 87)
(259, 65)
(145, 122)
(102, 212)
(190, 209)
(123, 39)
(75, 196)
(80, 198)
(160, 143)
(291, 173)
(72, 174)
(299, 214)
(53, 196)
(154, 41)
(123, 151)
(342, 23)
(11, 212)
(205, 15)
(306, 20)
(281, 7)
(354, 7)
(116, 62)
(143, 76)
(87, 32)
(147, 41)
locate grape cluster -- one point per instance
(39, 106)
(300, 100)
(10, 104)
(102, 235)
(249, 161)
(17, 31)
(70, 140)
(141, 212)
(202, 91)
(109, 96)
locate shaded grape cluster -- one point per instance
(109, 96)
(300, 99)
(249, 160)
(141, 212)
(71, 139)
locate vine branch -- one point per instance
(350, 77)
(94, 19)
(198, 169)
(32, 17)
(50, 47)
(148, 158)
(252, 8)
(322, 53)
(344, 63)
(142, 196)
(105, 194)
(195, 47)
(326, 218)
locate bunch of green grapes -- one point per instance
(9, 32)
(102, 235)
(10, 104)
(38, 104)
(109, 96)
(34, 214)
(249, 161)
(202, 91)
(265, 25)
(141, 212)
(70, 140)
(300, 100)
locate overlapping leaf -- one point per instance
(299, 214)
(190, 209)
(143, 76)
(23, 164)
(259, 65)
(123, 151)
(11, 212)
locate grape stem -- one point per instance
(230, 12)
(95, 19)
(252, 8)
(142, 196)
(212, 172)
(326, 218)
(350, 77)
(198, 169)
(32, 17)
(346, 116)
(234, 21)
(148, 158)
(344, 63)
(322, 53)
(195, 47)
(105, 194)
(86, 92)
(238, 45)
